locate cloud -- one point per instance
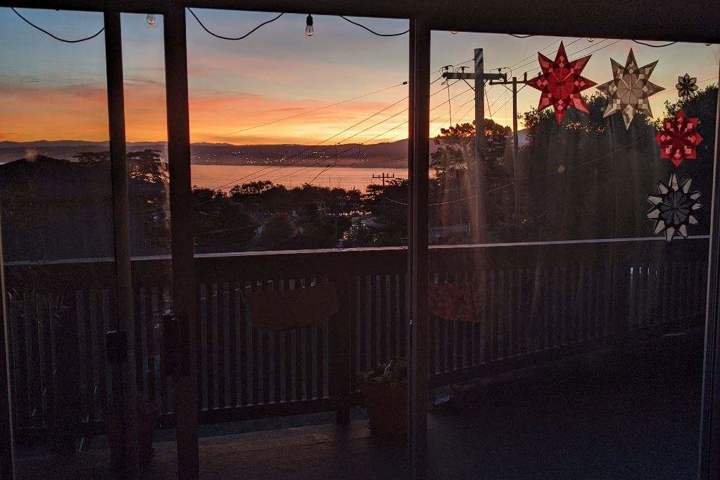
(80, 112)
(77, 112)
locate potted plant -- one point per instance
(385, 390)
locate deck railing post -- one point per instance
(340, 367)
(67, 411)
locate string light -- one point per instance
(151, 21)
(52, 35)
(373, 31)
(240, 37)
(309, 29)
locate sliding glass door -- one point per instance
(569, 243)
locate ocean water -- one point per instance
(224, 177)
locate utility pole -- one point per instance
(479, 229)
(383, 177)
(516, 162)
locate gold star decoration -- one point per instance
(629, 89)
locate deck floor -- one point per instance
(628, 415)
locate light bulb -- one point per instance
(150, 20)
(453, 32)
(309, 30)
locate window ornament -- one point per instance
(686, 86)
(629, 89)
(561, 83)
(673, 209)
(678, 138)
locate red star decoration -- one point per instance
(679, 138)
(561, 83)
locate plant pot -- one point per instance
(387, 408)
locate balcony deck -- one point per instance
(627, 412)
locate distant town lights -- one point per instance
(309, 29)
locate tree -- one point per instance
(457, 195)
(148, 191)
(277, 231)
(590, 176)
(386, 224)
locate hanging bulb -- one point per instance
(150, 20)
(309, 30)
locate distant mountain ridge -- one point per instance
(387, 154)
(384, 154)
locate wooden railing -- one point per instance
(535, 302)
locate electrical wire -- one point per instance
(654, 46)
(533, 55)
(241, 37)
(269, 168)
(640, 42)
(373, 31)
(382, 134)
(52, 35)
(532, 62)
(344, 141)
(487, 101)
(449, 101)
(323, 107)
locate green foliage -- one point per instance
(462, 182)
(589, 177)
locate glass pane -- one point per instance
(569, 255)
(58, 241)
(149, 188)
(299, 151)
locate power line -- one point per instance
(272, 167)
(344, 141)
(571, 53)
(640, 42)
(323, 107)
(373, 31)
(240, 37)
(654, 46)
(532, 56)
(449, 101)
(52, 35)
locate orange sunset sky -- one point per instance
(55, 91)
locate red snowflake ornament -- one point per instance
(679, 138)
(561, 83)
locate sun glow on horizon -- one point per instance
(273, 88)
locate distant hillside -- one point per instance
(393, 154)
(390, 154)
